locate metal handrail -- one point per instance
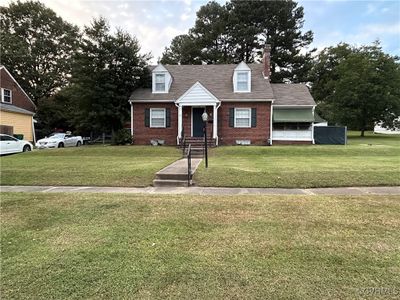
(188, 154)
(183, 145)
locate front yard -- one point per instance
(369, 161)
(57, 246)
(88, 165)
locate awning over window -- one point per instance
(292, 115)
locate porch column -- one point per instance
(179, 123)
(215, 123)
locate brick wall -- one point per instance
(19, 99)
(258, 135)
(143, 134)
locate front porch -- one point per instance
(191, 106)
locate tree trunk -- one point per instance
(362, 132)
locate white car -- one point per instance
(59, 140)
(9, 144)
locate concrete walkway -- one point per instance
(176, 174)
(395, 190)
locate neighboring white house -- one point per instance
(379, 129)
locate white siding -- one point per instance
(197, 95)
(292, 135)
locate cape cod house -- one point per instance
(16, 108)
(242, 105)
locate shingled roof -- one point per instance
(218, 80)
(215, 78)
(292, 94)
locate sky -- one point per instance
(156, 23)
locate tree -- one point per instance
(182, 51)
(36, 46)
(363, 88)
(54, 113)
(239, 30)
(324, 75)
(105, 71)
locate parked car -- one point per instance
(59, 140)
(9, 144)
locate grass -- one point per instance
(370, 161)
(89, 165)
(57, 246)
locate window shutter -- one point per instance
(254, 117)
(167, 117)
(147, 117)
(231, 117)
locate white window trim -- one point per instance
(2, 96)
(165, 83)
(249, 109)
(247, 81)
(235, 81)
(165, 118)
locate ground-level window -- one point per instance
(6, 96)
(157, 117)
(292, 126)
(242, 117)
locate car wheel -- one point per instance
(61, 145)
(78, 144)
(26, 148)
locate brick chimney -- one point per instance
(267, 62)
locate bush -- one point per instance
(122, 137)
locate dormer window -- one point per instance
(160, 82)
(161, 79)
(242, 78)
(243, 81)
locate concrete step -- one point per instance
(171, 176)
(169, 182)
(176, 173)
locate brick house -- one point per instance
(16, 108)
(242, 105)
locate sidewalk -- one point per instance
(395, 190)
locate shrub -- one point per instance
(122, 137)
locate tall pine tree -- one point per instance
(106, 70)
(239, 30)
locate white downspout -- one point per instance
(130, 102)
(312, 126)
(33, 132)
(270, 124)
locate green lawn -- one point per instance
(89, 165)
(115, 246)
(372, 160)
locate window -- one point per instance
(279, 126)
(242, 117)
(160, 82)
(291, 126)
(7, 138)
(242, 82)
(6, 96)
(157, 117)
